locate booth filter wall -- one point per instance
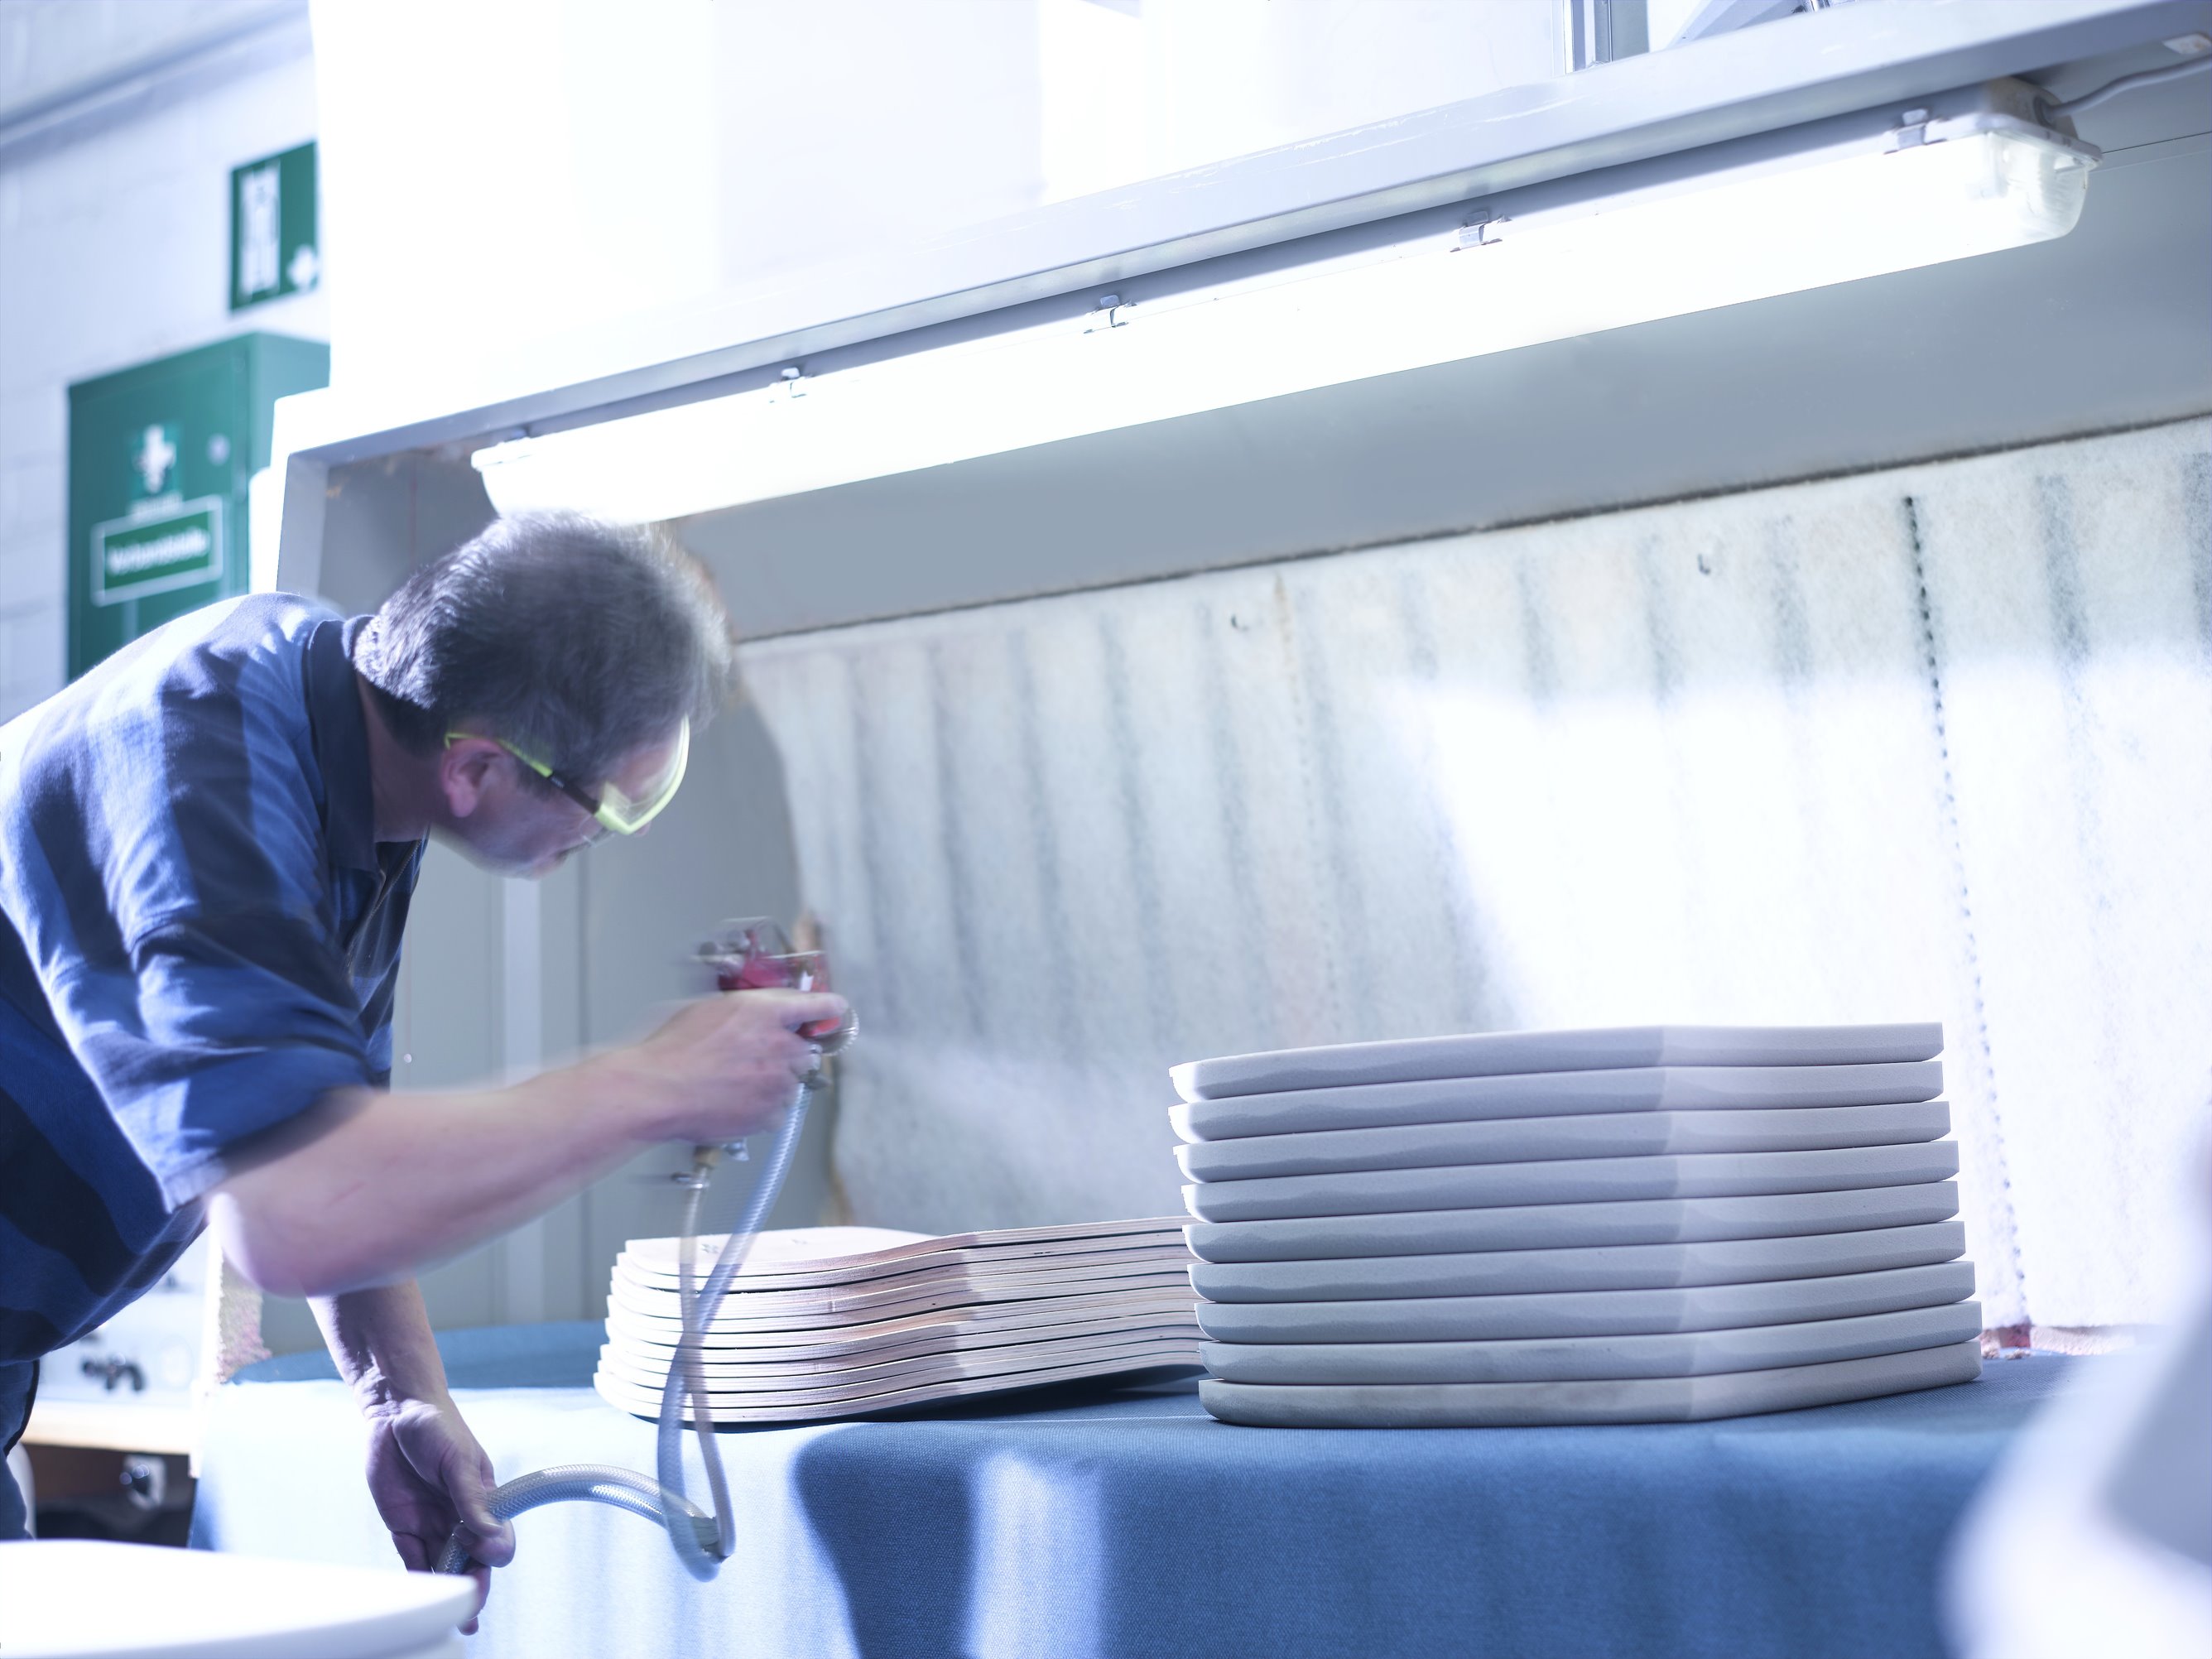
(1929, 742)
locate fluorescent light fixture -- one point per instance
(1542, 266)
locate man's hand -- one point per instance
(427, 1474)
(363, 1187)
(726, 1066)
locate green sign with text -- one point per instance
(160, 461)
(157, 552)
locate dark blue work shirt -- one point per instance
(199, 935)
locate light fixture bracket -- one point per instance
(1969, 172)
(1976, 123)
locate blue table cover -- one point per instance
(1091, 1522)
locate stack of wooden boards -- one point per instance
(1641, 1225)
(841, 1321)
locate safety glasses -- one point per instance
(615, 808)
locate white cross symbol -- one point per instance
(156, 455)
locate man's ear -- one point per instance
(467, 770)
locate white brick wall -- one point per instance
(115, 248)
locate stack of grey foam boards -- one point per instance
(1648, 1223)
(841, 1322)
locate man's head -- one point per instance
(549, 667)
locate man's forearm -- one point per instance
(382, 1343)
(362, 1187)
(368, 1185)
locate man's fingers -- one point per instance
(495, 1542)
(796, 1009)
(495, 1545)
(482, 1577)
(414, 1555)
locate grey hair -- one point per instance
(577, 642)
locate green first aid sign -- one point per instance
(161, 460)
(157, 553)
(273, 228)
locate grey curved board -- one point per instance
(1572, 1181)
(799, 1385)
(1561, 1226)
(1618, 1268)
(1553, 1094)
(1641, 1400)
(775, 1263)
(760, 1313)
(1588, 1313)
(1178, 1355)
(1042, 1316)
(1524, 1140)
(649, 1367)
(1492, 1054)
(1590, 1359)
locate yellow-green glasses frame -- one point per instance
(611, 805)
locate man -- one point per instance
(207, 848)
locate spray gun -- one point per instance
(756, 955)
(744, 956)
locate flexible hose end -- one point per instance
(702, 1560)
(697, 1535)
(703, 1541)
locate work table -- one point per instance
(1095, 1522)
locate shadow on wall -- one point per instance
(1921, 742)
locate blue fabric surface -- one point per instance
(17, 1383)
(1130, 1523)
(552, 1355)
(199, 935)
(15, 1523)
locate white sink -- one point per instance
(71, 1599)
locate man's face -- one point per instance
(508, 819)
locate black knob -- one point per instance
(112, 1370)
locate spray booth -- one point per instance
(1719, 537)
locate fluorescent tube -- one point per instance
(1904, 198)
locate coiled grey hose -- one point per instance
(703, 1541)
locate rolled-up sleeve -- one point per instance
(223, 1027)
(166, 857)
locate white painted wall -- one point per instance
(508, 176)
(1133, 91)
(115, 248)
(46, 46)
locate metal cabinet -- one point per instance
(160, 457)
